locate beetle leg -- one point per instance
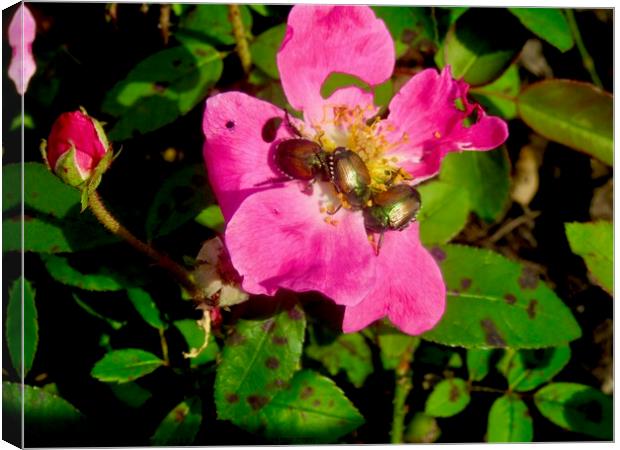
(290, 125)
(331, 213)
(273, 180)
(380, 242)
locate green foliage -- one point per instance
(15, 326)
(499, 97)
(181, 197)
(448, 398)
(45, 414)
(527, 369)
(499, 302)
(510, 421)
(161, 88)
(422, 429)
(115, 324)
(146, 307)
(594, 243)
(577, 407)
(125, 365)
(393, 346)
(312, 409)
(349, 352)
(444, 212)
(132, 394)
(481, 45)
(485, 178)
(264, 49)
(258, 361)
(52, 221)
(211, 217)
(210, 24)
(181, 424)
(478, 360)
(548, 24)
(572, 113)
(409, 26)
(195, 337)
(105, 280)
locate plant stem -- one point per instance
(243, 49)
(178, 272)
(403, 386)
(164, 347)
(587, 60)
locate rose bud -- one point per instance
(77, 149)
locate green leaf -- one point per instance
(161, 88)
(265, 47)
(211, 217)
(210, 24)
(15, 325)
(500, 97)
(422, 429)
(263, 10)
(499, 302)
(61, 270)
(311, 410)
(509, 421)
(548, 24)
(448, 398)
(527, 369)
(409, 26)
(594, 243)
(125, 365)
(181, 197)
(258, 360)
(575, 114)
(393, 346)
(577, 407)
(132, 394)
(484, 175)
(115, 324)
(481, 45)
(181, 424)
(45, 415)
(53, 222)
(349, 352)
(146, 307)
(478, 363)
(195, 337)
(444, 212)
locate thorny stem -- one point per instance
(402, 388)
(588, 62)
(243, 49)
(178, 272)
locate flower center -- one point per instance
(351, 129)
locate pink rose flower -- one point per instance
(76, 146)
(22, 30)
(278, 233)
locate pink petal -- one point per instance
(277, 238)
(22, 30)
(320, 40)
(237, 150)
(425, 110)
(409, 290)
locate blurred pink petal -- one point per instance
(320, 40)
(22, 30)
(409, 290)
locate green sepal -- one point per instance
(43, 149)
(95, 178)
(67, 169)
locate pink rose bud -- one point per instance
(76, 148)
